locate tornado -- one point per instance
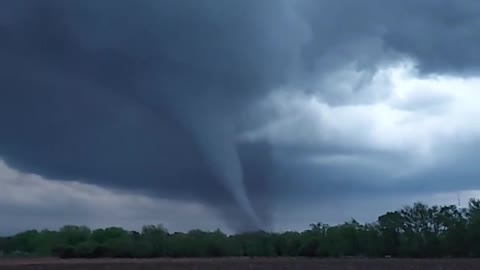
(222, 156)
(214, 134)
(212, 129)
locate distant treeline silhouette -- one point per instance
(414, 231)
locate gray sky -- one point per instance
(234, 114)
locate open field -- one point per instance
(241, 264)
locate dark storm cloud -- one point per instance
(441, 36)
(151, 95)
(141, 95)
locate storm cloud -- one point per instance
(140, 95)
(241, 105)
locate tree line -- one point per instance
(413, 231)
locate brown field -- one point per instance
(241, 264)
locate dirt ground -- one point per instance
(241, 264)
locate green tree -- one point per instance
(155, 240)
(413, 231)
